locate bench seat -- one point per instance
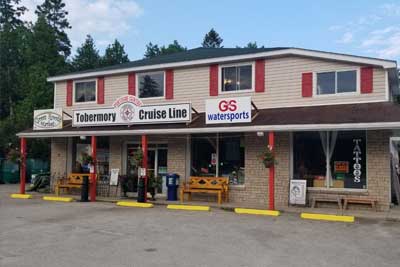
(367, 201)
(333, 199)
(74, 180)
(209, 185)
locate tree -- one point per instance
(114, 54)
(10, 13)
(251, 45)
(87, 56)
(212, 40)
(55, 14)
(151, 50)
(155, 50)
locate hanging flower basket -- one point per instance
(268, 158)
(88, 159)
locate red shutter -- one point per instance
(169, 84)
(100, 90)
(260, 76)
(366, 80)
(307, 84)
(213, 80)
(69, 92)
(131, 83)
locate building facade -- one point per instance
(210, 112)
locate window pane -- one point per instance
(348, 161)
(245, 78)
(231, 158)
(151, 85)
(326, 83)
(229, 80)
(346, 81)
(204, 155)
(309, 159)
(85, 91)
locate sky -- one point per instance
(365, 28)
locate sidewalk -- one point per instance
(392, 215)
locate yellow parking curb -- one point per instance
(327, 217)
(61, 199)
(188, 207)
(257, 212)
(21, 196)
(134, 204)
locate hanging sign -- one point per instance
(297, 192)
(228, 110)
(47, 119)
(128, 110)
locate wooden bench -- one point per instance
(74, 180)
(333, 199)
(367, 201)
(210, 185)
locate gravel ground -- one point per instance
(38, 233)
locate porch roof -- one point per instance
(366, 116)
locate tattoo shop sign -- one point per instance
(228, 110)
(47, 119)
(129, 110)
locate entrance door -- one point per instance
(156, 164)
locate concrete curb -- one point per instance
(257, 212)
(134, 204)
(59, 199)
(21, 196)
(327, 217)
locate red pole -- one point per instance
(271, 185)
(22, 170)
(144, 164)
(92, 185)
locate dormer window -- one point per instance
(85, 91)
(336, 82)
(237, 78)
(151, 85)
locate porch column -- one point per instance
(22, 169)
(271, 182)
(93, 173)
(144, 164)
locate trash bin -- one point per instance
(141, 196)
(172, 185)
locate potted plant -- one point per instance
(87, 159)
(268, 158)
(14, 156)
(137, 157)
(153, 183)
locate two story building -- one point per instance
(327, 117)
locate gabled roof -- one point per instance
(199, 56)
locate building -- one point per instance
(328, 117)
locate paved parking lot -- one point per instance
(38, 233)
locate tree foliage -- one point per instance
(153, 50)
(212, 40)
(87, 56)
(114, 54)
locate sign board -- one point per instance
(114, 177)
(47, 119)
(228, 110)
(142, 172)
(128, 110)
(297, 192)
(341, 166)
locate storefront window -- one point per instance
(231, 158)
(219, 155)
(309, 159)
(204, 155)
(85, 91)
(82, 148)
(237, 78)
(343, 154)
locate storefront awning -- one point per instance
(367, 116)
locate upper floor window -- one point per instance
(237, 78)
(85, 91)
(336, 82)
(151, 85)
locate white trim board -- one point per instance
(232, 129)
(386, 64)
